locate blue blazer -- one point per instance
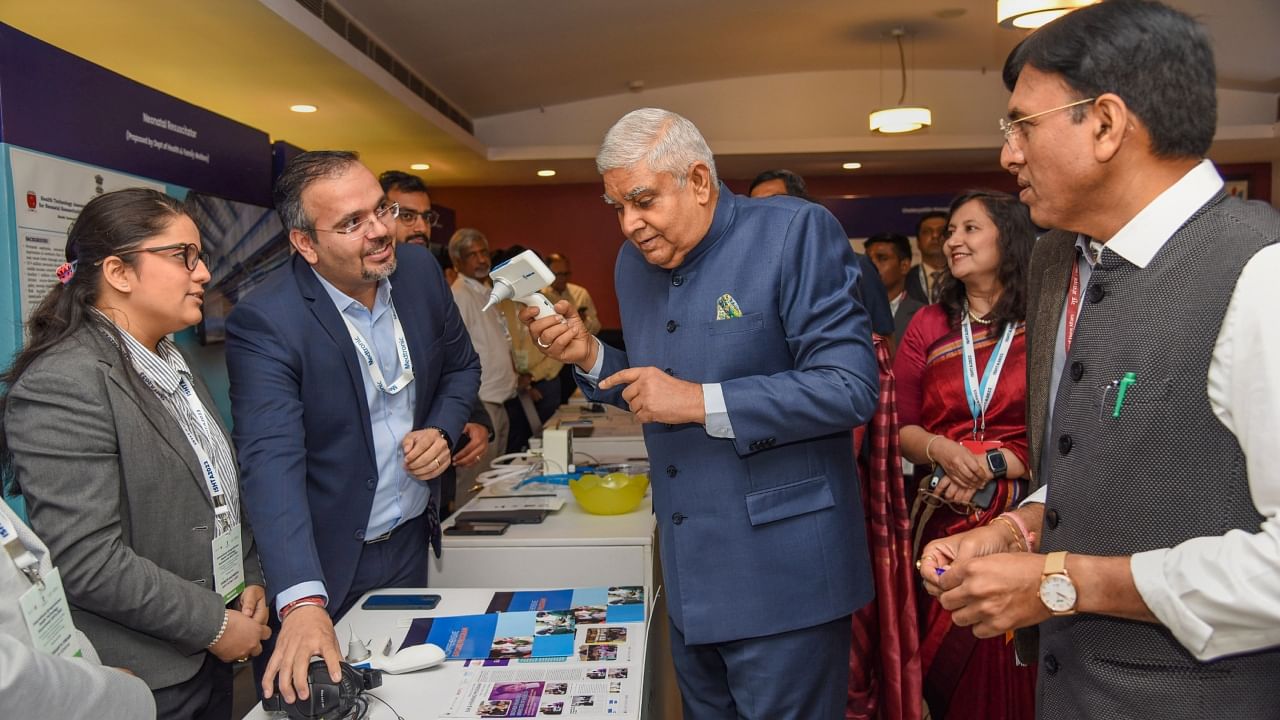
(302, 428)
(761, 533)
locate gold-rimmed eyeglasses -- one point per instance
(1011, 128)
(360, 226)
(191, 255)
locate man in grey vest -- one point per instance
(1154, 388)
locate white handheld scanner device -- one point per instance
(520, 278)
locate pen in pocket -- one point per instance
(1122, 387)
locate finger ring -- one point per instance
(918, 562)
(243, 659)
(539, 341)
(435, 463)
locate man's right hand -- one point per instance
(305, 632)
(561, 337)
(242, 638)
(988, 539)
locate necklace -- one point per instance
(978, 319)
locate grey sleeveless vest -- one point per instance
(1163, 471)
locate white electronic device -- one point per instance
(520, 278)
(557, 450)
(410, 659)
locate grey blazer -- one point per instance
(114, 489)
(1047, 282)
(35, 684)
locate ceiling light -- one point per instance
(901, 118)
(420, 166)
(1030, 14)
(851, 165)
(546, 173)
(303, 108)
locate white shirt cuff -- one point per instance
(1149, 578)
(713, 406)
(301, 590)
(1039, 496)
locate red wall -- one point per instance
(573, 219)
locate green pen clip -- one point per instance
(1128, 379)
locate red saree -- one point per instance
(964, 677)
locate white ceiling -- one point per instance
(770, 83)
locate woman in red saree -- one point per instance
(961, 373)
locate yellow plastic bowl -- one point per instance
(612, 489)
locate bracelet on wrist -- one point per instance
(1020, 539)
(316, 600)
(226, 617)
(928, 447)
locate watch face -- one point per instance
(996, 461)
(1058, 593)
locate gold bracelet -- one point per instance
(226, 616)
(1017, 536)
(928, 446)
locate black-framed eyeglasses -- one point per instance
(360, 226)
(191, 256)
(409, 217)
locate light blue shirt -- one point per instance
(399, 497)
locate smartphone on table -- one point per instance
(400, 602)
(476, 527)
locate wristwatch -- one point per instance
(448, 441)
(1057, 592)
(998, 465)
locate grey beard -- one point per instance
(380, 274)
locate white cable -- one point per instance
(505, 467)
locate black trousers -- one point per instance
(206, 696)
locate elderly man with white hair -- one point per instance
(749, 366)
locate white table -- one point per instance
(427, 694)
(571, 548)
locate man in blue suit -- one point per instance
(350, 372)
(749, 365)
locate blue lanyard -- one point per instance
(979, 394)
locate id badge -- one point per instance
(49, 618)
(980, 447)
(228, 564)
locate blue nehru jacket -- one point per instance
(761, 532)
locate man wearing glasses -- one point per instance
(350, 373)
(1155, 571)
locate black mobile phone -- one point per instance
(400, 602)
(983, 497)
(476, 528)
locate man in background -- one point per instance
(922, 281)
(578, 297)
(891, 254)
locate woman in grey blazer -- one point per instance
(127, 470)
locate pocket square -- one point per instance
(727, 308)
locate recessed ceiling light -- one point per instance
(303, 108)
(420, 166)
(546, 173)
(851, 165)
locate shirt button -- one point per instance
(677, 518)
(1077, 371)
(1050, 664)
(672, 325)
(677, 280)
(668, 371)
(1064, 444)
(672, 471)
(1051, 518)
(360, 534)
(1096, 293)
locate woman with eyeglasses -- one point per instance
(127, 471)
(961, 392)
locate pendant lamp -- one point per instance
(1030, 14)
(901, 118)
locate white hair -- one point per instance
(663, 140)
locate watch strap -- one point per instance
(1055, 563)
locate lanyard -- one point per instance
(1073, 302)
(221, 508)
(979, 394)
(402, 349)
(26, 560)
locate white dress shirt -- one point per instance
(489, 337)
(1221, 595)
